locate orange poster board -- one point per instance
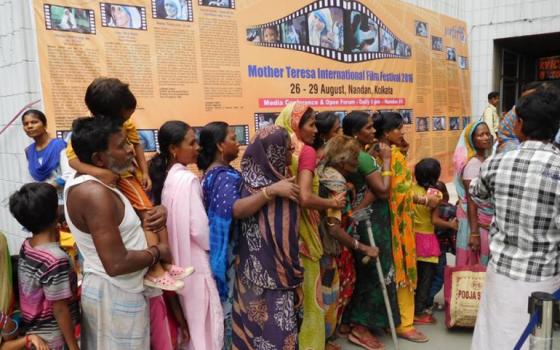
(242, 61)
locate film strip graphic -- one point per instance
(149, 139)
(126, 16)
(332, 29)
(217, 3)
(63, 134)
(241, 133)
(69, 19)
(159, 12)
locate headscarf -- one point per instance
(269, 254)
(42, 163)
(289, 119)
(507, 140)
(464, 151)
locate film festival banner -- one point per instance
(242, 61)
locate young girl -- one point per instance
(427, 173)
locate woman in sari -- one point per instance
(267, 291)
(221, 187)
(43, 155)
(388, 130)
(187, 225)
(474, 146)
(299, 121)
(372, 183)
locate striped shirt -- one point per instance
(45, 276)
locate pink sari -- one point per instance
(188, 229)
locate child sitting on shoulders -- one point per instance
(47, 282)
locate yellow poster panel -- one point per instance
(243, 61)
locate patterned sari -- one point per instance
(221, 189)
(463, 153)
(268, 267)
(312, 335)
(6, 286)
(400, 204)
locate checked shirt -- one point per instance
(524, 187)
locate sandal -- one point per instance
(330, 345)
(165, 282)
(414, 336)
(343, 331)
(424, 319)
(179, 273)
(367, 341)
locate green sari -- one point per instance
(367, 307)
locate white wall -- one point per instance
(494, 19)
(19, 85)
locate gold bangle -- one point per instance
(265, 194)
(475, 234)
(387, 173)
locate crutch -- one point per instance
(365, 215)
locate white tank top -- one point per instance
(132, 236)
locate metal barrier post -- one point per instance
(542, 335)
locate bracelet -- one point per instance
(265, 194)
(426, 201)
(149, 251)
(12, 332)
(475, 234)
(387, 173)
(356, 244)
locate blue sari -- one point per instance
(43, 163)
(221, 187)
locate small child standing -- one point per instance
(47, 283)
(446, 237)
(427, 173)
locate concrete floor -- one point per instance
(440, 337)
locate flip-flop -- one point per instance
(374, 343)
(413, 336)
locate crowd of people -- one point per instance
(186, 251)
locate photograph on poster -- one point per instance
(387, 42)
(466, 121)
(364, 33)
(229, 4)
(437, 43)
(421, 29)
(148, 138)
(123, 16)
(241, 133)
(463, 63)
(454, 123)
(438, 123)
(271, 34)
(406, 115)
(294, 31)
(340, 115)
(422, 124)
(254, 35)
(69, 19)
(262, 120)
(179, 10)
(326, 28)
(451, 55)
